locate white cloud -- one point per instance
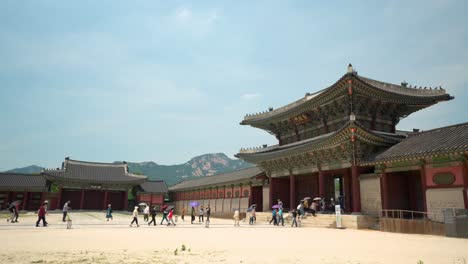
(251, 96)
(183, 14)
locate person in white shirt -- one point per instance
(146, 213)
(135, 217)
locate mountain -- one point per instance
(200, 166)
(27, 170)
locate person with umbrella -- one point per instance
(153, 216)
(135, 217)
(146, 212)
(165, 212)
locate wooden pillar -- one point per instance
(224, 196)
(25, 201)
(384, 190)
(270, 194)
(105, 200)
(59, 199)
(292, 191)
(125, 200)
(465, 173)
(356, 189)
(423, 185)
(321, 180)
(82, 199)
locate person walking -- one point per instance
(135, 217)
(280, 217)
(300, 208)
(153, 216)
(16, 213)
(200, 214)
(252, 216)
(314, 207)
(236, 217)
(170, 215)
(12, 209)
(109, 212)
(65, 209)
(41, 213)
(192, 215)
(183, 214)
(273, 217)
(294, 218)
(146, 212)
(280, 204)
(164, 216)
(208, 213)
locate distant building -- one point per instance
(88, 185)
(223, 192)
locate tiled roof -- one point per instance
(94, 172)
(439, 141)
(154, 187)
(19, 182)
(230, 177)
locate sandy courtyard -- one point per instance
(92, 240)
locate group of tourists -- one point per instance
(168, 215)
(201, 214)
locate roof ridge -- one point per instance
(216, 175)
(16, 173)
(123, 163)
(436, 129)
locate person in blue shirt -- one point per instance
(273, 217)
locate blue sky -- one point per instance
(169, 80)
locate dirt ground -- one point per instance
(93, 240)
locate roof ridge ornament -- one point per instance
(350, 68)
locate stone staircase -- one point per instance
(328, 220)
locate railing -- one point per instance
(411, 215)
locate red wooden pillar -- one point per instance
(292, 191)
(125, 200)
(25, 201)
(270, 198)
(423, 185)
(59, 199)
(82, 199)
(321, 180)
(465, 173)
(356, 189)
(105, 200)
(384, 190)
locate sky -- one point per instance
(165, 81)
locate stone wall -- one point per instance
(443, 198)
(371, 201)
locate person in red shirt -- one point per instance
(169, 216)
(41, 213)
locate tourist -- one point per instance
(164, 216)
(252, 216)
(183, 214)
(193, 215)
(153, 216)
(200, 214)
(208, 213)
(46, 207)
(314, 208)
(65, 209)
(135, 217)
(300, 208)
(280, 204)
(280, 217)
(146, 213)
(109, 212)
(16, 213)
(41, 213)
(170, 215)
(294, 218)
(273, 217)
(12, 209)
(236, 218)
